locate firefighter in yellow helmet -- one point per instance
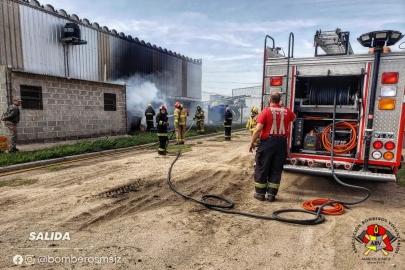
(199, 117)
(149, 114)
(251, 123)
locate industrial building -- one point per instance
(253, 97)
(71, 73)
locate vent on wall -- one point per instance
(72, 34)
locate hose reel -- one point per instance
(323, 95)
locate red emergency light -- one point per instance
(378, 145)
(276, 81)
(389, 145)
(389, 78)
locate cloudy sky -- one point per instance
(228, 35)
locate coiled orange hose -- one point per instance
(337, 209)
(341, 148)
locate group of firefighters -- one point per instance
(268, 130)
(180, 116)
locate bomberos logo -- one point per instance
(376, 240)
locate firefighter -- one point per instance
(228, 124)
(162, 124)
(251, 124)
(149, 114)
(180, 117)
(199, 116)
(272, 127)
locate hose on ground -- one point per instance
(225, 205)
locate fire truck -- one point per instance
(350, 107)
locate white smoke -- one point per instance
(141, 90)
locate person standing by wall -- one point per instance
(149, 114)
(11, 118)
(199, 117)
(273, 127)
(228, 123)
(162, 124)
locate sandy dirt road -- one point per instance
(118, 212)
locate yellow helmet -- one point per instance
(255, 110)
(149, 105)
(198, 106)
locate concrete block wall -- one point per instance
(72, 109)
(3, 98)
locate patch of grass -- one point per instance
(378, 201)
(83, 147)
(174, 149)
(199, 142)
(221, 138)
(401, 176)
(18, 182)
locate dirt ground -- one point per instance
(118, 212)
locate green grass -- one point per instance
(222, 138)
(17, 182)
(174, 149)
(401, 176)
(136, 139)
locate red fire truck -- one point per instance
(362, 94)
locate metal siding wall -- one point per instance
(10, 35)
(193, 80)
(184, 79)
(83, 59)
(43, 52)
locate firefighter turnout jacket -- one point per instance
(149, 113)
(228, 119)
(161, 119)
(180, 116)
(251, 123)
(199, 115)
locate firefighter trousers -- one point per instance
(180, 133)
(162, 143)
(270, 158)
(228, 133)
(149, 125)
(200, 126)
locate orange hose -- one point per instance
(317, 117)
(343, 148)
(337, 209)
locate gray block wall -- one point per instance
(3, 98)
(72, 109)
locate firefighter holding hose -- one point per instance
(272, 126)
(199, 117)
(180, 117)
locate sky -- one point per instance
(228, 35)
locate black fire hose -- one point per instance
(226, 208)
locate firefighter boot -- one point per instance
(271, 198)
(259, 196)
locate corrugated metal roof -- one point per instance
(85, 22)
